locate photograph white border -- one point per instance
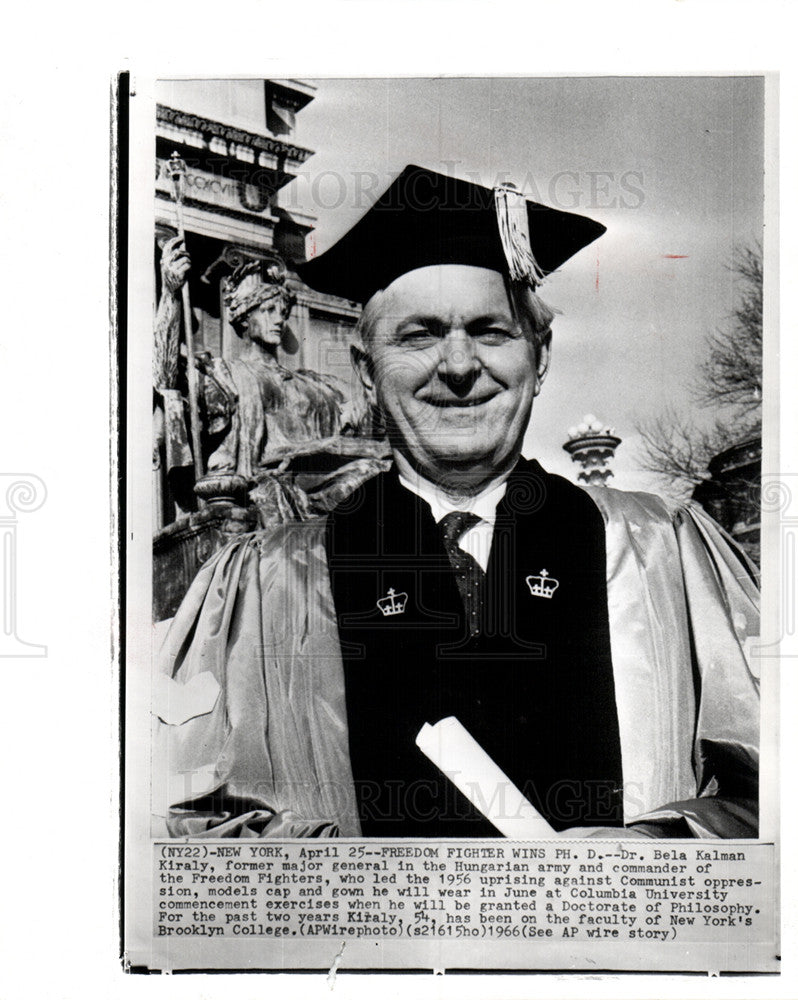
(56, 100)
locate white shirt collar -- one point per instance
(483, 504)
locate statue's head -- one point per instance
(259, 301)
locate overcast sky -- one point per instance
(672, 166)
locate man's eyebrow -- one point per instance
(490, 318)
(420, 319)
(435, 322)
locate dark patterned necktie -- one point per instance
(468, 573)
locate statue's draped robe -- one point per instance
(260, 406)
(666, 697)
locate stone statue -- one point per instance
(262, 408)
(257, 414)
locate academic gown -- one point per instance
(534, 687)
(288, 702)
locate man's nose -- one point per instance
(459, 366)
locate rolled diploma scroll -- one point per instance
(450, 746)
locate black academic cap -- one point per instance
(427, 218)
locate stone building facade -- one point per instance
(237, 139)
(731, 493)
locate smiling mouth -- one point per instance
(465, 403)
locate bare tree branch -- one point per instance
(730, 377)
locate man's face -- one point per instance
(452, 370)
(265, 321)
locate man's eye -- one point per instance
(493, 335)
(417, 335)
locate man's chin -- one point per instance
(469, 455)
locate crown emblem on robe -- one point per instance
(542, 585)
(393, 604)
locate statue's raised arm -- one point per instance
(175, 267)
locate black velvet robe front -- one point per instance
(534, 687)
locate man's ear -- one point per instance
(544, 359)
(363, 365)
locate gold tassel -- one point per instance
(511, 214)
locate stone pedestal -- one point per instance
(183, 546)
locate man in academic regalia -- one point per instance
(592, 642)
